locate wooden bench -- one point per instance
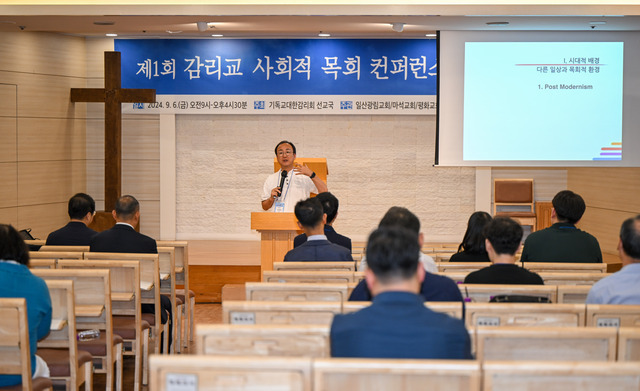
(279, 312)
(215, 373)
(451, 308)
(565, 267)
(551, 278)
(613, 315)
(546, 343)
(42, 263)
(60, 348)
(274, 291)
(15, 353)
(308, 276)
(80, 249)
(358, 374)
(461, 267)
(629, 344)
(92, 296)
(315, 266)
(263, 340)
(545, 376)
(525, 314)
(55, 255)
(573, 294)
(484, 292)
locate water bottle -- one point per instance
(88, 335)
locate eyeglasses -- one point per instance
(286, 152)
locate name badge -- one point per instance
(279, 207)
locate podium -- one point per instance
(277, 231)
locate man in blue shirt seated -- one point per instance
(311, 218)
(397, 324)
(622, 287)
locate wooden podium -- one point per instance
(277, 232)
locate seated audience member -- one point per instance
(622, 287)
(81, 210)
(503, 236)
(563, 241)
(399, 216)
(17, 281)
(330, 206)
(312, 219)
(472, 247)
(123, 238)
(397, 324)
(434, 287)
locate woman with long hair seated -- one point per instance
(472, 247)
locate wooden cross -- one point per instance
(113, 96)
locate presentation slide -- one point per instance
(556, 101)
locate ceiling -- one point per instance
(341, 21)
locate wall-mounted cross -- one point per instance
(113, 96)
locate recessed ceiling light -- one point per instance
(104, 23)
(174, 32)
(497, 24)
(111, 35)
(321, 34)
(430, 35)
(217, 35)
(597, 23)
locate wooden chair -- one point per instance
(613, 315)
(274, 291)
(461, 267)
(514, 198)
(451, 308)
(215, 373)
(546, 343)
(59, 349)
(42, 263)
(92, 295)
(359, 374)
(125, 302)
(457, 277)
(551, 278)
(279, 312)
(629, 344)
(149, 290)
(525, 314)
(15, 355)
(546, 376)
(187, 296)
(166, 258)
(64, 248)
(484, 292)
(315, 266)
(55, 255)
(565, 267)
(573, 294)
(307, 276)
(263, 340)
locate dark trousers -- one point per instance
(165, 315)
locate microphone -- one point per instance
(282, 178)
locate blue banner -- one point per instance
(305, 67)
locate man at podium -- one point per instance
(292, 183)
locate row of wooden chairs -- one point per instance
(253, 373)
(331, 291)
(488, 343)
(474, 314)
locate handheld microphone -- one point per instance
(282, 178)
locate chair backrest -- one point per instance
(569, 278)
(307, 276)
(517, 192)
(525, 314)
(80, 249)
(181, 253)
(274, 291)
(573, 294)
(359, 374)
(484, 292)
(546, 343)
(317, 266)
(613, 315)
(55, 255)
(42, 263)
(451, 308)
(461, 267)
(214, 373)
(263, 340)
(565, 267)
(15, 355)
(167, 265)
(545, 376)
(279, 312)
(629, 344)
